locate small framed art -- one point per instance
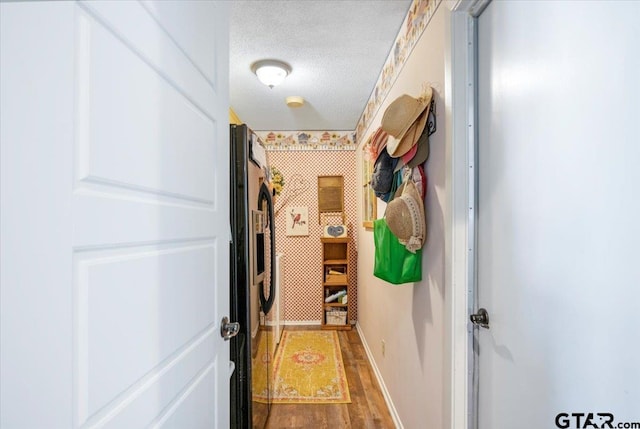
(297, 221)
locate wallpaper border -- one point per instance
(417, 19)
(284, 141)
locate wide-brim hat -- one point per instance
(404, 120)
(399, 147)
(406, 218)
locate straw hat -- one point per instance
(404, 120)
(406, 218)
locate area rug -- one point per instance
(308, 369)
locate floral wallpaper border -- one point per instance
(415, 22)
(412, 28)
(282, 141)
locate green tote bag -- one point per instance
(393, 262)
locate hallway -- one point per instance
(366, 410)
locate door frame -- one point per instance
(462, 155)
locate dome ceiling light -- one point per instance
(271, 72)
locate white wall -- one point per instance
(411, 318)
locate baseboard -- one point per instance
(302, 322)
(308, 323)
(376, 371)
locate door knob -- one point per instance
(481, 318)
(228, 329)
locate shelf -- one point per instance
(335, 266)
(335, 304)
(334, 240)
(336, 262)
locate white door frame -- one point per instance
(462, 160)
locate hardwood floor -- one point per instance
(366, 410)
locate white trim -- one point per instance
(477, 7)
(307, 322)
(383, 387)
(461, 225)
(471, 200)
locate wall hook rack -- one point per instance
(431, 117)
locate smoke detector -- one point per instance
(294, 101)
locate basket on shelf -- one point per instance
(335, 274)
(336, 317)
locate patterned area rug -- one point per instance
(309, 370)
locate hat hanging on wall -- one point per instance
(382, 176)
(417, 175)
(404, 159)
(406, 218)
(378, 142)
(404, 120)
(422, 150)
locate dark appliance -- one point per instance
(252, 289)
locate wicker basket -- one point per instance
(336, 317)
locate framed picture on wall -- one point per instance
(369, 203)
(297, 221)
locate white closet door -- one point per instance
(558, 230)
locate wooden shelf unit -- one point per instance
(335, 257)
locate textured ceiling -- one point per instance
(336, 50)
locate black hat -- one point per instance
(382, 176)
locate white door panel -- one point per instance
(114, 216)
(191, 28)
(162, 42)
(160, 297)
(138, 128)
(559, 104)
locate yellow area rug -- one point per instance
(308, 370)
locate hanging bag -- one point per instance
(393, 261)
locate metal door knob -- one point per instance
(481, 318)
(228, 329)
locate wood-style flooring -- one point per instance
(366, 410)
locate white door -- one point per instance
(114, 222)
(558, 214)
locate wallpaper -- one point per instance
(301, 156)
(303, 254)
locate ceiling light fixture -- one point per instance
(271, 72)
